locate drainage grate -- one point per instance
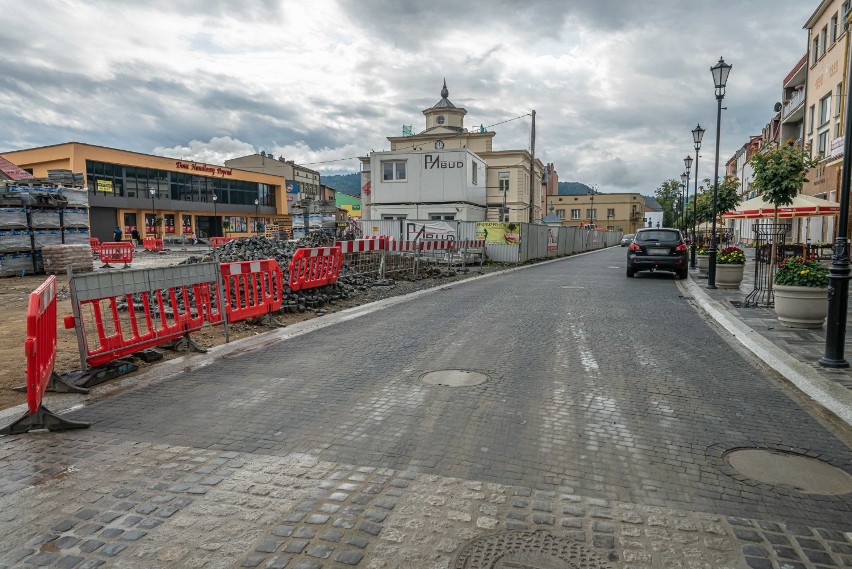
(527, 550)
(454, 378)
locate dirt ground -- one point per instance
(14, 294)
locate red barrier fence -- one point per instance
(158, 306)
(311, 268)
(152, 244)
(252, 288)
(361, 245)
(95, 244)
(116, 253)
(219, 241)
(40, 352)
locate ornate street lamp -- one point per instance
(687, 162)
(838, 272)
(697, 135)
(256, 228)
(720, 76)
(684, 184)
(216, 223)
(153, 193)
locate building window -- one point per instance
(844, 11)
(393, 170)
(815, 51)
(575, 214)
(393, 217)
(824, 109)
(811, 120)
(442, 217)
(474, 174)
(560, 213)
(591, 213)
(503, 180)
(822, 143)
(610, 212)
(834, 28)
(823, 37)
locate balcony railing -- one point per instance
(791, 105)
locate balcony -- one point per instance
(795, 103)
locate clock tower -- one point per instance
(445, 115)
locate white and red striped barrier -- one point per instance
(361, 245)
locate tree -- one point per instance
(667, 196)
(778, 175)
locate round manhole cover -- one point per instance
(805, 474)
(454, 378)
(527, 550)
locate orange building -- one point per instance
(160, 196)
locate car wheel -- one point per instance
(683, 273)
(630, 272)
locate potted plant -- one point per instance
(729, 267)
(801, 293)
(702, 259)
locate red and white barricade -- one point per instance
(40, 353)
(154, 244)
(252, 288)
(95, 244)
(216, 242)
(116, 252)
(311, 268)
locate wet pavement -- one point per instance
(599, 439)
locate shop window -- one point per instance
(129, 223)
(186, 223)
(169, 223)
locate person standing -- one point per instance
(116, 235)
(137, 239)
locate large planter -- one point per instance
(801, 306)
(703, 263)
(729, 276)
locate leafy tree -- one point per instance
(667, 196)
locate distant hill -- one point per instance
(346, 183)
(573, 189)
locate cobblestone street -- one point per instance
(598, 440)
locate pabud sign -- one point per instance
(432, 161)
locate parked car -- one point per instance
(627, 240)
(661, 248)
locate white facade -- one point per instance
(427, 184)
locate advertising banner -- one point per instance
(436, 230)
(104, 186)
(292, 187)
(499, 232)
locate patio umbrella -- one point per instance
(802, 206)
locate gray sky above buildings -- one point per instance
(617, 85)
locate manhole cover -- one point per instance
(454, 378)
(805, 474)
(527, 550)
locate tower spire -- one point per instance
(444, 92)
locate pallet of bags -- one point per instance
(15, 264)
(13, 218)
(76, 197)
(44, 237)
(57, 258)
(77, 237)
(45, 219)
(77, 218)
(14, 240)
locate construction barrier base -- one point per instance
(97, 375)
(183, 344)
(41, 419)
(57, 384)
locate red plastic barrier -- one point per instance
(157, 319)
(40, 345)
(361, 245)
(152, 244)
(40, 353)
(311, 268)
(218, 241)
(95, 244)
(252, 288)
(116, 253)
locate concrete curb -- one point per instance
(64, 403)
(831, 396)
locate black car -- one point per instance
(661, 248)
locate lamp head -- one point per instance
(697, 135)
(720, 76)
(214, 197)
(152, 191)
(687, 162)
(256, 202)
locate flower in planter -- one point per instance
(799, 271)
(702, 250)
(731, 256)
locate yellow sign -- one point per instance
(104, 186)
(499, 232)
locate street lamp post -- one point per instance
(688, 163)
(684, 183)
(256, 228)
(153, 193)
(720, 76)
(838, 272)
(697, 135)
(216, 224)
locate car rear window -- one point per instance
(658, 235)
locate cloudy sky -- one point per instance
(617, 85)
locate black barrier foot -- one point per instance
(272, 321)
(41, 419)
(184, 344)
(57, 384)
(107, 266)
(97, 375)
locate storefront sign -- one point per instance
(431, 161)
(195, 167)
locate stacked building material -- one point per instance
(57, 258)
